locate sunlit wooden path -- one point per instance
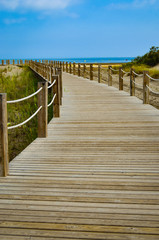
(94, 177)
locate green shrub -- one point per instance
(151, 58)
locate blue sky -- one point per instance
(77, 28)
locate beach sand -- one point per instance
(11, 70)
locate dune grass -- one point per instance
(139, 68)
(17, 85)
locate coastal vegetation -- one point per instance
(151, 58)
(19, 82)
(148, 62)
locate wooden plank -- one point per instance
(78, 227)
(77, 220)
(73, 234)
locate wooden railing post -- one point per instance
(56, 90)
(51, 73)
(70, 67)
(63, 64)
(58, 71)
(146, 92)
(84, 70)
(132, 82)
(42, 69)
(67, 67)
(91, 71)
(74, 68)
(79, 69)
(13, 62)
(43, 114)
(121, 75)
(48, 72)
(2, 62)
(99, 73)
(109, 76)
(4, 161)
(45, 76)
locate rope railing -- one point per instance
(52, 84)
(124, 71)
(136, 74)
(106, 74)
(40, 74)
(137, 84)
(153, 79)
(46, 72)
(25, 98)
(26, 121)
(115, 70)
(150, 89)
(52, 101)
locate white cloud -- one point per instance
(136, 4)
(9, 21)
(9, 4)
(36, 4)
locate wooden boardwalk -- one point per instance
(96, 176)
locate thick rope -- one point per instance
(156, 93)
(114, 70)
(124, 71)
(21, 124)
(52, 84)
(139, 75)
(25, 98)
(137, 84)
(52, 101)
(153, 79)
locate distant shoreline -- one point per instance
(113, 61)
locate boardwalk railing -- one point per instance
(52, 79)
(13, 62)
(51, 73)
(99, 71)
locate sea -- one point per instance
(83, 60)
